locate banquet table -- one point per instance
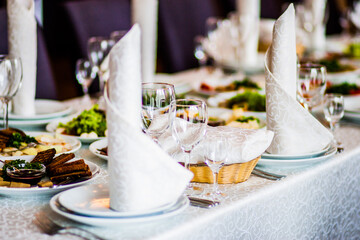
(320, 201)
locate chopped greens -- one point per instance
(251, 101)
(246, 83)
(21, 164)
(16, 139)
(334, 66)
(344, 88)
(92, 120)
(247, 119)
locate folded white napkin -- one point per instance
(141, 175)
(146, 14)
(246, 144)
(296, 130)
(23, 43)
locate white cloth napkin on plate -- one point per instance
(145, 13)
(23, 43)
(246, 144)
(296, 130)
(141, 175)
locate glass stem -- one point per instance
(6, 114)
(101, 81)
(215, 185)
(187, 160)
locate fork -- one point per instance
(52, 228)
(271, 176)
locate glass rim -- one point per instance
(334, 95)
(157, 83)
(310, 65)
(198, 101)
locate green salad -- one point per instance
(334, 66)
(250, 101)
(16, 140)
(344, 88)
(92, 120)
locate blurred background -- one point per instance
(64, 27)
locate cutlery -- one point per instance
(203, 203)
(52, 228)
(271, 176)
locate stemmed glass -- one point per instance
(98, 49)
(85, 75)
(10, 82)
(311, 84)
(156, 109)
(189, 120)
(333, 111)
(215, 153)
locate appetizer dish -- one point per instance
(45, 170)
(334, 65)
(14, 142)
(344, 88)
(248, 101)
(88, 124)
(234, 118)
(235, 85)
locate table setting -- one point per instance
(253, 146)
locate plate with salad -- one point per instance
(88, 126)
(15, 144)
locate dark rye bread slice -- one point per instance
(63, 158)
(45, 157)
(3, 141)
(78, 165)
(71, 176)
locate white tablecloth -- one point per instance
(321, 202)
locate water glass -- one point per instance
(189, 120)
(215, 154)
(156, 109)
(10, 81)
(311, 84)
(333, 110)
(98, 49)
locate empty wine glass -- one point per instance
(84, 74)
(156, 109)
(215, 154)
(189, 120)
(115, 36)
(311, 84)
(10, 82)
(98, 49)
(333, 111)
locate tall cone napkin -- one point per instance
(23, 44)
(296, 130)
(145, 13)
(141, 175)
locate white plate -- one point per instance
(298, 156)
(352, 107)
(28, 123)
(225, 114)
(343, 76)
(45, 109)
(94, 201)
(51, 127)
(37, 190)
(222, 97)
(99, 144)
(301, 162)
(232, 66)
(178, 207)
(75, 145)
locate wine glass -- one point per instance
(333, 111)
(98, 49)
(115, 36)
(10, 82)
(85, 75)
(189, 120)
(311, 84)
(156, 110)
(215, 153)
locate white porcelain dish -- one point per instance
(178, 207)
(297, 163)
(75, 146)
(52, 126)
(94, 201)
(99, 144)
(45, 109)
(298, 156)
(35, 191)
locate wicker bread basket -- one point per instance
(232, 173)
